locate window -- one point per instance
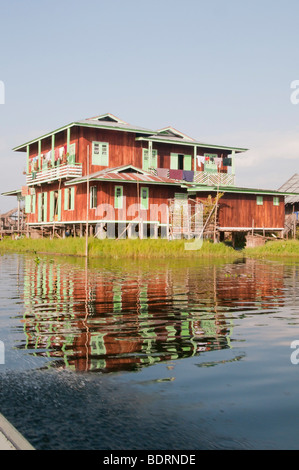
(72, 154)
(149, 162)
(275, 200)
(118, 197)
(93, 197)
(100, 153)
(69, 199)
(42, 207)
(144, 198)
(180, 161)
(259, 200)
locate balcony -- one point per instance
(202, 177)
(65, 171)
(214, 179)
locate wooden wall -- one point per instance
(241, 210)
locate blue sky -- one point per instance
(218, 71)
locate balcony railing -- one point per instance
(207, 178)
(214, 179)
(65, 171)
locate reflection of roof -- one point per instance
(125, 174)
(291, 186)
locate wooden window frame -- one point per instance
(276, 201)
(118, 200)
(259, 200)
(93, 197)
(142, 206)
(98, 157)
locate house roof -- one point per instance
(109, 121)
(291, 186)
(125, 174)
(236, 189)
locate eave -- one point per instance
(190, 143)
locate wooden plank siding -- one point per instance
(158, 196)
(242, 210)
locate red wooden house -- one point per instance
(121, 178)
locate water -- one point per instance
(146, 355)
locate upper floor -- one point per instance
(102, 142)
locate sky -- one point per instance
(219, 71)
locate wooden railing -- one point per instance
(65, 171)
(214, 179)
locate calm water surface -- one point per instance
(148, 355)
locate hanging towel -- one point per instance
(176, 174)
(162, 172)
(56, 155)
(48, 155)
(188, 175)
(217, 161)
(227, 161)
(200, 159)
(61, 151)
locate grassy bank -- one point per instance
(116, 249)
(278, 248)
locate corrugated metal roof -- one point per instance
(113, 125)
(120, 174)
(291, 186)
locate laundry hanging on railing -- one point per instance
(200, 159)
(217, 161)
(176, 174)
(188, 175)
(162, 172)
(227, 161)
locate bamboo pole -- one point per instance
(87, 205)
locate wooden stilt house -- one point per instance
(120, 180)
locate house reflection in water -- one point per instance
(114, 319)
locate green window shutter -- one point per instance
(59, 205)
(188, 162)
(174, 161)
(100, 153)
(275, 200)
(52, 199)
(39, 201)
(28, 204)
(66, 199)
(259, 200)
(145, 159)
(72, 198)
(118, 197)
(72, 154)
(144, 193)
(154, 162)
(33, 203)
(45, 206)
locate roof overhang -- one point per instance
(235, 189)
(190, 143)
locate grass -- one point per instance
(278, 248)
(147, 249)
